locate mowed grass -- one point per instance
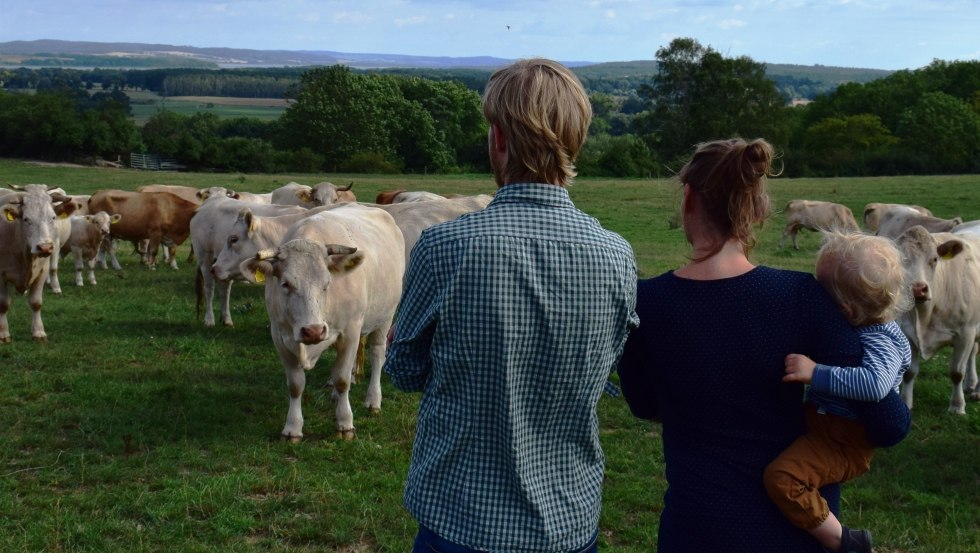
(134, 428)
(146, 104)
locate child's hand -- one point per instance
(799, 368)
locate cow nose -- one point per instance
(920, 291)
(45, 249)
(313, 334)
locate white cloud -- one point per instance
(609, 14)
(409, 21)
(352, 17)
(732, 24)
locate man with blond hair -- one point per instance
(511, 321)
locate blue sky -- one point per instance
(885, 34)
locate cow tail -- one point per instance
(199, 291)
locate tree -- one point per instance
(700, 95)
(844, 145)
(941, 134)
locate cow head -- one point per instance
(238, 246)
(216, 192)
(34, 211)
(102, 221)
(922, 253)
(297, 277)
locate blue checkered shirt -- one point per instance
(511, 320)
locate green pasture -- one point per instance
(136, 429)
(146, 104)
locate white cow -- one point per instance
(874, 211)
(816, 215)
(26, 244)
(944, 275)
(336, 276)
(322, 194)
(894, 222)
(209, 229)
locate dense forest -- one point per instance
(648, 116)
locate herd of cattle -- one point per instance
(333, 267)
(942, 262)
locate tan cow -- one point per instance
(401, 195)
(336, 276)
(322, 194)
(944, 272)
(88, 232)
(894, 222)
(874, 211)
(155, 216)
(816, 216)
(209, 228)
(26, 244)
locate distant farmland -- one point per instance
(145, 104)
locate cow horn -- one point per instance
(348, 186)
(266, 254)
(335, 249)
(15, 187)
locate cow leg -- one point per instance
(341, 377)
(91, 271)
(79, 265)
(52, 276)
(376, 346)
(971, 383)
(35, 300)
(295, 384)
(150, 256)
(962, 348)
(208, 295)
(4, 307)
(224, 287)
(170, 253)
(908, 378)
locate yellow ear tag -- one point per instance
(10, 216)
(948, 255)
(63, 216)
(259, 276)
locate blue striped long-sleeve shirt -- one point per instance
(887, 355)
(511, 321)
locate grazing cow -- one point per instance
(88, 232)
(874, 211)
(816, 215)
(336, 276)
(321, 194)
(155, 216)
(401, 195)
(209, 228)
(944, 272)
(894, 222)
(414, 217)
(26, 244)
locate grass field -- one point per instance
(136, 429)
(146, 104)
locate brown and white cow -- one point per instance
(337, 275)
(209, 228)
(401, 195)
(874, 211)
(88, 232)
(944, 274)
(26, 244)
(894, 222)
(322, 194)
(158, 217)
(816, 216)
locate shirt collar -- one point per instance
(545, 194)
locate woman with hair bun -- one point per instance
(708, 361)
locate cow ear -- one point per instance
(342, 259)
(248, 218)
(115, 219)
(949, 249)
(255, 270)
(305, 196)
(202, 195)
(89, 218)
(10, 212)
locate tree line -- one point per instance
(923, 121)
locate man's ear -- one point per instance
(499, 139)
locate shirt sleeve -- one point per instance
(408, 361)
(884, 360)
(634, 378)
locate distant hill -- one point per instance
(795, 81)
